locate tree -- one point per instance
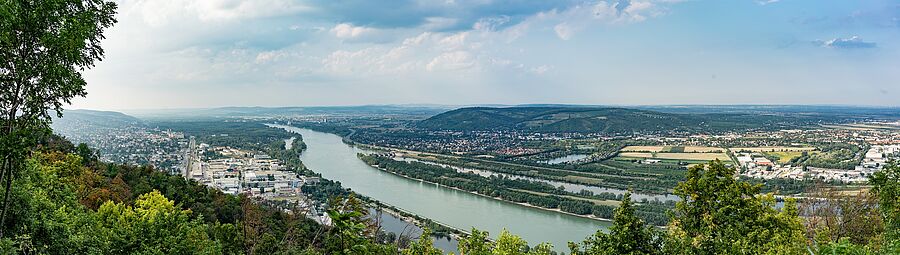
(886, 186)
(475, 243)
(153, 225)
(44, 47)
(835, 216)
(628, 235)
(423, 246)
(719, 214)
(352, 232)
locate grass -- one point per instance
(595, 201)
(582, 179)
(784, 156)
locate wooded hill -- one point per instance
(608, 120)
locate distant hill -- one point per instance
(231, 112)
(604, 120)
(835, 111)
(104, 119)
(78, 125)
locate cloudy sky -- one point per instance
(210, 53)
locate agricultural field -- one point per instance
(636, 154)
(686, 156)
(693, 156)
(772, 149)
(673, 149)
(645, 148)
(864, 126)
(702, 149)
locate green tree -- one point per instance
(886, 186)
(45, 216)
(719, 214)
(44, 47)
(423, 246)
(154, 225)
(628, 235)
(352, 232)
(509, 244)
(476, 243)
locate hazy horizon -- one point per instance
(149, 110)
(205, 54)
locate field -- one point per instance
(772, 149)
(864, 126)
(673, 149)
(644, 148)
(702, 149)
(784, 156)
(677, 156)
(636, 154)
(693, 156)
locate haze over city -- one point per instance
(185, 54)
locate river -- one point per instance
(328, 155)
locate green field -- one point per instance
(783, 156)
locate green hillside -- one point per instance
(91, 118)
(602, 120)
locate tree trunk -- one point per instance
(5, 172)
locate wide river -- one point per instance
(335, 160)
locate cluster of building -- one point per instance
(879, 155)
(238, 171)
(875, 159)
(132, 145)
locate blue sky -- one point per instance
(210, 53)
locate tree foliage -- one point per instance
(44, 47)
(628, 235)
(721, 215)
(886, 186)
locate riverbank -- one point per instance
(400, 213)
(592, 217)
(335, 160)
(419, 221)
(421, 154)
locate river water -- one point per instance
(328, 155)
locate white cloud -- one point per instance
(163, 12)
(568, 22)
(456, 60)
(540, 69)
(853, 42)
(490, 23)
(563, 31)
(268, 56)
(439, 23)
(346, 30)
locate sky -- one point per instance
(211, 53)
